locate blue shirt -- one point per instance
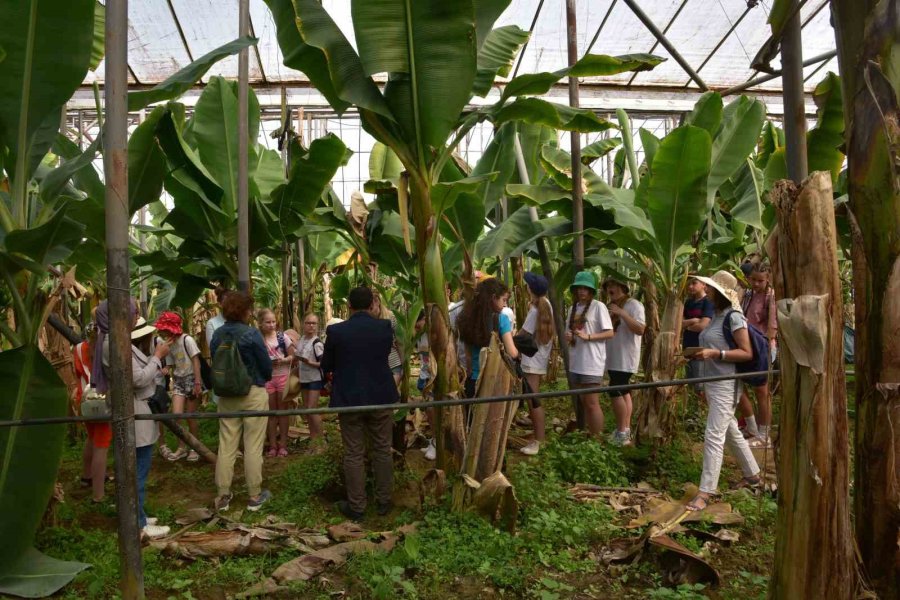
(505, 326)
(696, 309)
(252, 348)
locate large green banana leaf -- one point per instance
(29, 456)
(499, 157)
(599, 149)
(496, 56)
(215, 130)
(38, 76)
(743, 194)
(742, 121)
(431, 54)
(676, 196)
(146, 163)
(183, 80)
(824, 141)
(518, 232)
(707, 113)
(384, 164)
(36, 575)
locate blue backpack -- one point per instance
(760, 346)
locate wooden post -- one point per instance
(814, 554)
(243, 187)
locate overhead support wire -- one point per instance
(600, 28)
(259, 62)
(721, 41)
(665, 43)
(187, 47)
(821, 58)
(534, 20)
(665, 31)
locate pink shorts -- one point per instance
(277, 383)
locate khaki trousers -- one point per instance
(253, 431)
(355, 427)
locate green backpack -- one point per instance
(229, 374)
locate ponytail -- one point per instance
(544, 333)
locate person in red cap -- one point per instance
(187, 384)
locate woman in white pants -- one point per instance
(719, 358)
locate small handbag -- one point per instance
(525, 343)
(159, 401)
(94, 404)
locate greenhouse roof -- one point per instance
(717, 38)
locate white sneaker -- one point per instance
(431, 451)
(155, 531)
(152, 520)
(531, 449)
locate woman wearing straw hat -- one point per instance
(589, 328)
(144, 369)
(719, 359)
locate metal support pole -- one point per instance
(115, 159)
(243, 209)
(301, 254)
(665, 43)
(792, 92)
(142, 242)
(575, 138)
(769, 77)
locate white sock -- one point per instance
(751, 425)
(764, 432)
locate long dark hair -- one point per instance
(476, 319)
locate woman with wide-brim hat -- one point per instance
(589, 326)
(719, 358)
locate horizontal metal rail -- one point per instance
(395, 406)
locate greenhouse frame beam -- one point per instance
(243, 187)
(664, 32)
(794, 113)
(537, 13)
(118, 284)
(665, 43)
(822, 58)
(721, 41)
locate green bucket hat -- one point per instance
(584, 279)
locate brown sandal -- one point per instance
(697, 504)
(750, 483)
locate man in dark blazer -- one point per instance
(356, 353)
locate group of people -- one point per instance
(362, 359)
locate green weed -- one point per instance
(577, 458)
(685, 591)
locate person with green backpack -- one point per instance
(240, 369)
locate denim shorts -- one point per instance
(581, 379)
(312, 385)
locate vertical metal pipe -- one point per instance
(792, 92)
(301, 254)
(142, 241)
(243, 198)
(115, 158)
(575, 137)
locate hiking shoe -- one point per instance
(383, 509)
(621, 438)
(431, 451)
(254, 504)
(222, 503)
(193, 456)
(531, 449)
(155, 531)
(152, 520)
(177, 455)
(344, 507)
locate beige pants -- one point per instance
(253, 430)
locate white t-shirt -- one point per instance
(311, 349)
(511, 315)
(624, 348)
(211, 326)
(538, 363)
(181, 352)
(589, 358)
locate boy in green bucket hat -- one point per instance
(589, 326)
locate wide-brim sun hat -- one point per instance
(141, 329)
(617, 280)
(584, 279)
(724, 283)
(538, 284)
(169, 322)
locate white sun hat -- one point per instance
(725, 283)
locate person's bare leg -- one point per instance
(192, 406)
(593, 414)
(314, 422)
(538, 419)
(629, 409)
(745, 407)
(272, 424)
(177, 409)
(620, 410)
(764, 405)
(98, 473)
(283, 422)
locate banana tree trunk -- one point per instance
(872, 136)
(520, 290)
(814, 556)
(431, 275)
(655, 411)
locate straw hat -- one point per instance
(141, 329)
(725, 283)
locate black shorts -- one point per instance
(470, 387)
(619, 378)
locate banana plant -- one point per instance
(436, 54)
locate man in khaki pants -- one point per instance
(356, 352)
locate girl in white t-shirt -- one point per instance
(624, 351)
(539, 323)
(589, 326)
(309, 351)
